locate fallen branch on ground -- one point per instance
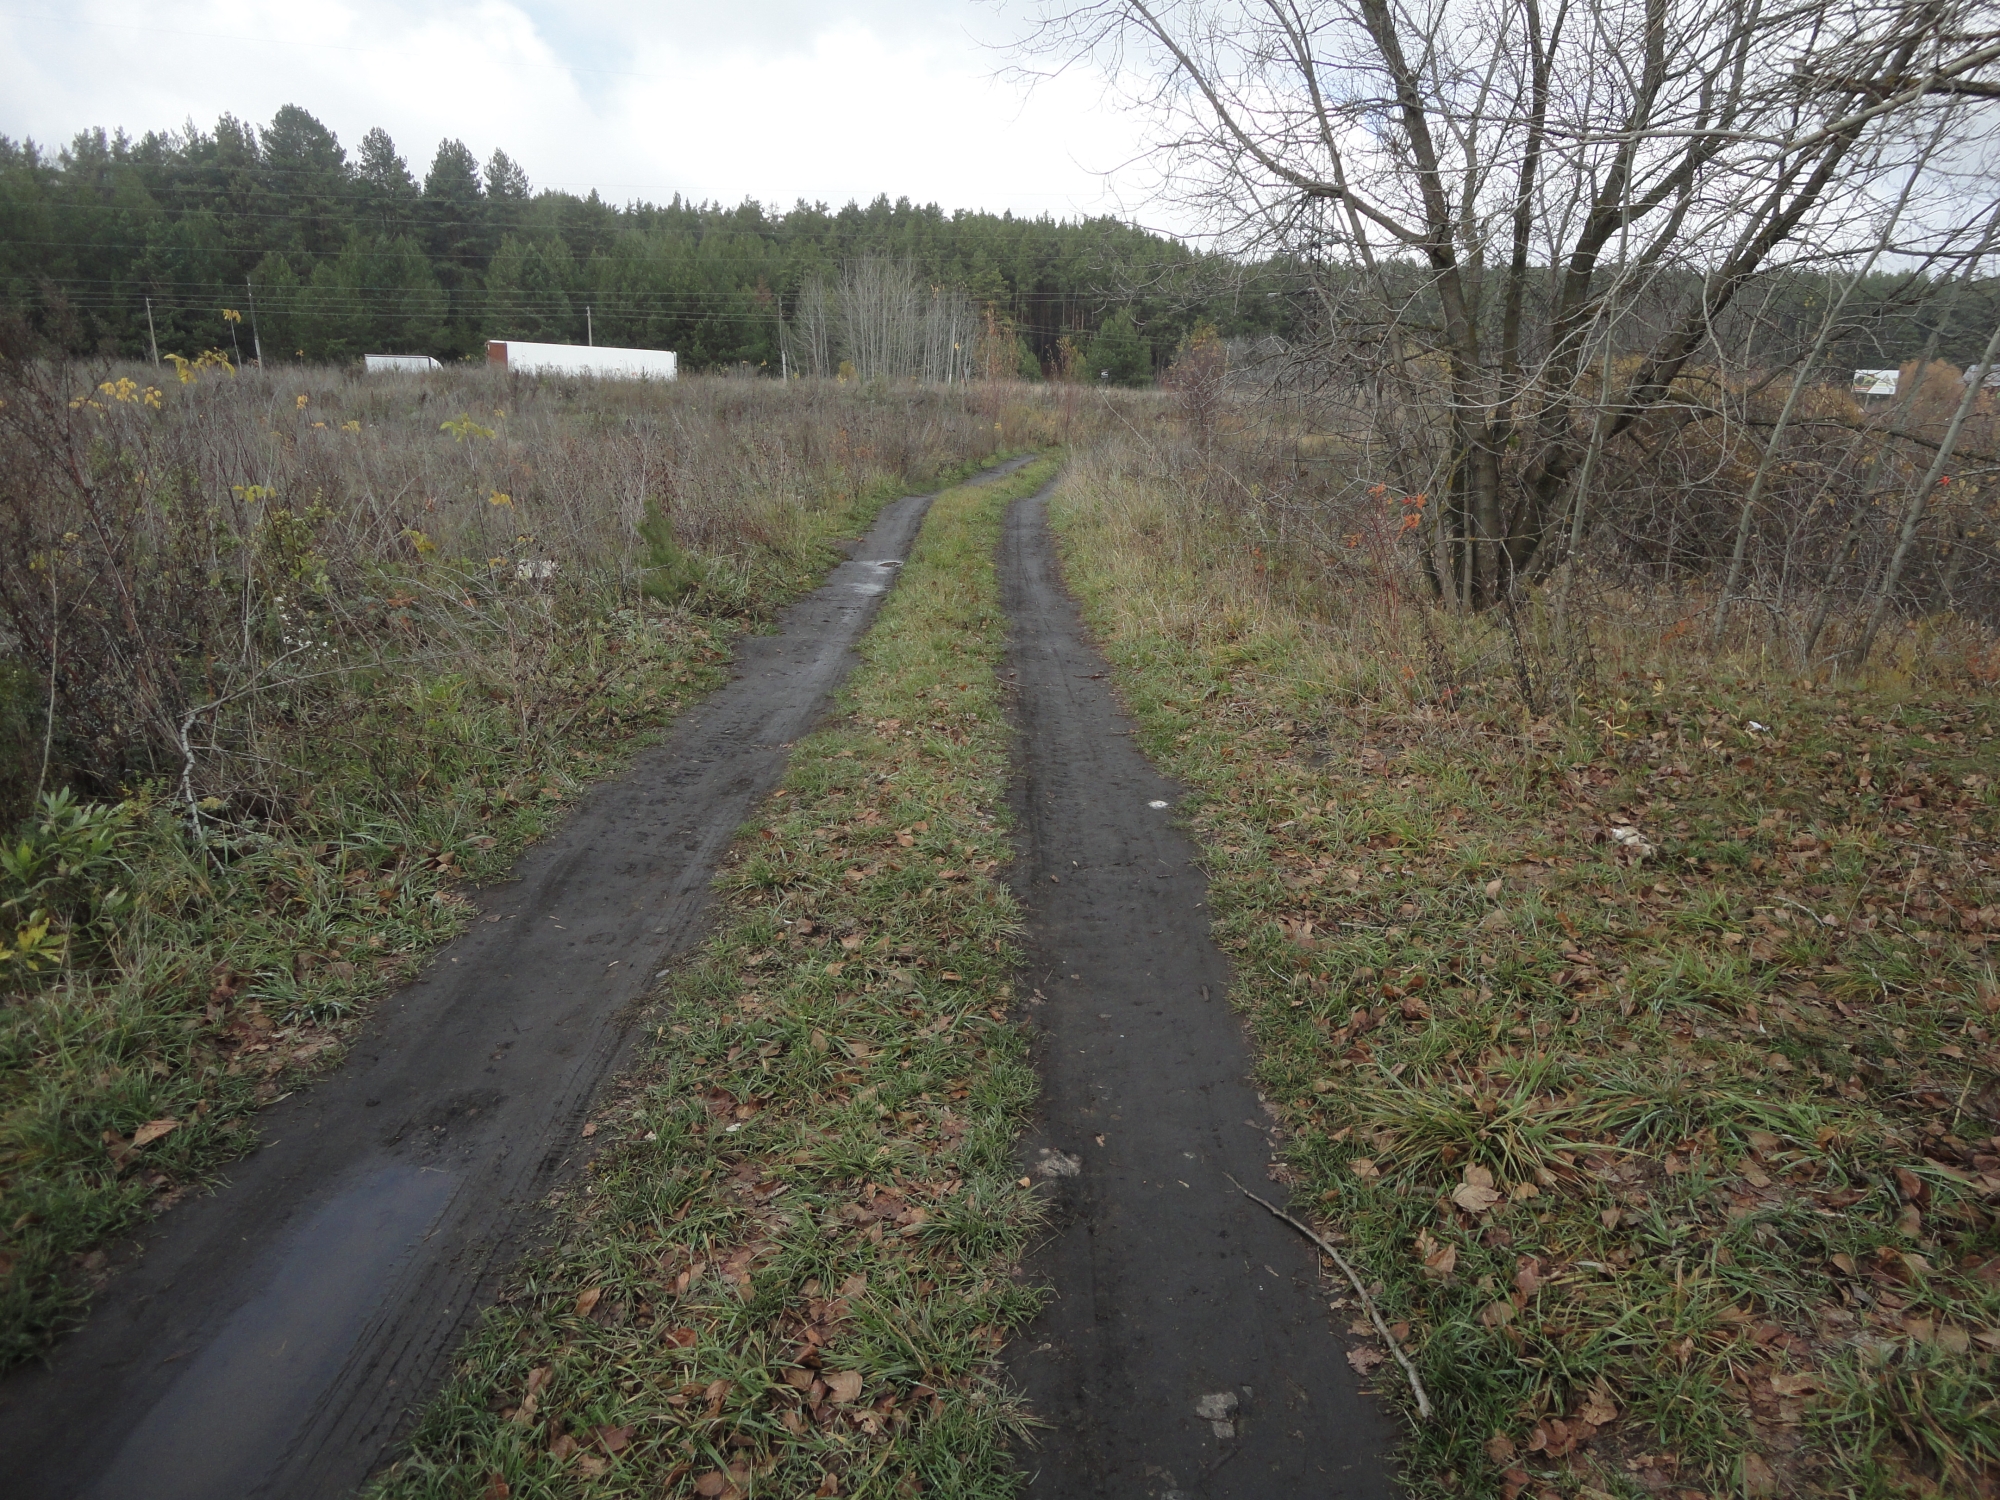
(1368, 1302)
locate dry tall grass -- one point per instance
(321, 647)
(1265, 515)
(183, 555)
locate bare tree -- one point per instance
(809, 335)
(880, 317)
(1531, 216)
(886, 323)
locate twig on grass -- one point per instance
(1416, 1385)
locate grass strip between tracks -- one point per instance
(1674, 1151)
(787, 1270)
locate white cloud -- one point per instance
(777, 101)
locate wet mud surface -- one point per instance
(1188, 1349)
(273, 1339)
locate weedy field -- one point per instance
(787, 1270)
(1639, 1047)
(290, 659)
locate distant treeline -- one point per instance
(350, 253)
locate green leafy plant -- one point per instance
(667, 572)
(62, 876)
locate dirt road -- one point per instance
(1188, 1350)
(272, 1338)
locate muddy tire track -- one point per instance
(1188, 1349)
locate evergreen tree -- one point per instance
(528, 292)
(1118, 355)
(187, 267)
(279, 299)
(307, 201)
(377, 297)
(454, 220)
(506, 198)
(386, 195)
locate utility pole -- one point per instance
(152, 339)
(256, 344)
(589, 334)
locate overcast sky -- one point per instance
(714, 99)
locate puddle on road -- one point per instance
(876, 580)
(233, 1413)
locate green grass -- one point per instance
(236, 970)
(1678, 1188)
(788, 1270)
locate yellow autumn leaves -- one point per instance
(123, 392)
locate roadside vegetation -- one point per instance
(287, 661)
(1630, 1005)
(788, 1268)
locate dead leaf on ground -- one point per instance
(587, 1300)
(1365, 1359)
(844, 1386)
(496, 1488)
(1439, 1260)
(1528, 1276)
(151, 1131)
(1365, 1169)
(1474, 1199)
(1500, 1448)
(525, 1412)
(1758, 1480)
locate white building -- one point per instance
(1876, 382)
(384, 364)
(581, 359)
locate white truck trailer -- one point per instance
(581, 359)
